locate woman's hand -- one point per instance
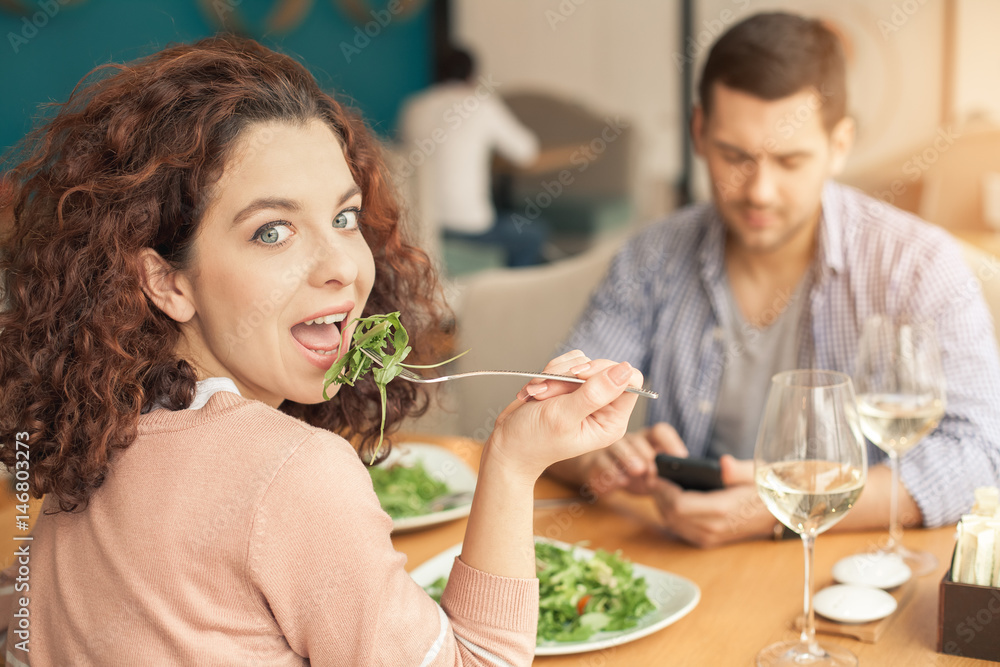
(551, 421)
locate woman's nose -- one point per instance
(333, 263)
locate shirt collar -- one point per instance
(203, 391)
(711, 253)
(831, 229)
(205, 388)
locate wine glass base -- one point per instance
(920, 562)
(796, 654)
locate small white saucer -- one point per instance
(881, 570)
(853, 604)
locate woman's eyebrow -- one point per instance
(351, 191)
(263, 203)
(282, 204)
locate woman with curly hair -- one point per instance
(189, 240)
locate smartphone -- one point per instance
(690, 474)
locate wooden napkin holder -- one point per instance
(968, 620)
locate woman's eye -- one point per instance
(347, 219)
(273, 233)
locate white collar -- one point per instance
(203, 391)
(205, 388)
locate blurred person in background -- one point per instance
(450, 133)
(780, 271)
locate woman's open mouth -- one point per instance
(321, 337)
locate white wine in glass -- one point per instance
(810, 465)
(897, 422)
(901, 398)
(809, 496)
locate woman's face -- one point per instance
(279, 267)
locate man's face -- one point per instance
(768, 161)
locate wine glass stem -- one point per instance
(895, 530)
(808, 636)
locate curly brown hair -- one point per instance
(128, 163)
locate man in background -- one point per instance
(780, 271)
(463, 124)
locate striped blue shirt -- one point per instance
(662, 308)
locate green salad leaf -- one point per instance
(437, 588)
(406, 490)
(580, 597)
(374, 334)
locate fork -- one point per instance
(410, 376)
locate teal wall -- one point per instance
(43, 64)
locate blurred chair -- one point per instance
(953, 185)
(986, 268)
(599, 198)
(514, 319)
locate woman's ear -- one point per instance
(167, 288)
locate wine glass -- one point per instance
(900, 385)
(810, 465)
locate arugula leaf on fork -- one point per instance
(373, 334)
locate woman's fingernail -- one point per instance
(536, 389)
(621, 373)
(579, 368)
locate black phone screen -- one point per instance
(691, 474)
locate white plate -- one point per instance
(441, 465)
(881, 570)
(853, 604)
(673, 595)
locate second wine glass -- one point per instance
(901, 398)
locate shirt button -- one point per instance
(705, 407)
(717, 333)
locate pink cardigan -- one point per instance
(237, 535)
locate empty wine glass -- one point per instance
(810, 465)
(901, 398)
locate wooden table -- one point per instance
(750, 592)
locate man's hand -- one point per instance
(713, 518)
(706, 519)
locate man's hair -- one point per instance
(775, 55)
(456, 65)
